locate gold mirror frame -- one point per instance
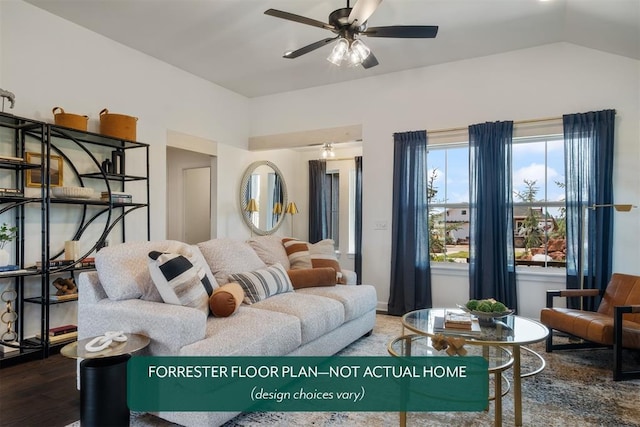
(246, 215)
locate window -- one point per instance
(539, 213)
(448, 193)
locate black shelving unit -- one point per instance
(103, 215)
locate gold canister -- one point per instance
(68, 120)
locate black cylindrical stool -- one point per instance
(103, 392)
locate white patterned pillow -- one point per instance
(261, 284)
(179, 282)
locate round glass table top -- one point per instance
(509, 330)
(134, 342)
(498, 358)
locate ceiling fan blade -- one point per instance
(370, 61)
(361, 11)
(403, 31)
(298, 18)
(309, 48)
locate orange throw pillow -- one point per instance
(225, 300)
(312, 277)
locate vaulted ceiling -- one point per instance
(234, 44)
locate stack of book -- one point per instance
(116, 197)
(10, 192)
(87, 262)
(56, 263)
(457, 320)
(10, 158)
(66, 297)
(62, 333)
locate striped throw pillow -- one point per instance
(263, 283)
(180, 282)
(298, 253)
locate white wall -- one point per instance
(527, 84)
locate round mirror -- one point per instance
(263, 197)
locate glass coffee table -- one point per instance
(509, 332)
(498, 358)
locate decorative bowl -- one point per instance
(72, 192)
(486, 317)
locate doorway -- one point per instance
(189, 195)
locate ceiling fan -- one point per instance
(349, 24)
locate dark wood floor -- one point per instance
(39, 393)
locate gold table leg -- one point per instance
(517, 386)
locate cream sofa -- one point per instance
(314, 321)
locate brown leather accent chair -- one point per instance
(616, 323)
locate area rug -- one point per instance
(575, 389)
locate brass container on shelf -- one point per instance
(118, 125)
(68, 120)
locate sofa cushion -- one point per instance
(298, 253)
(311, 277)
(263, 283)
(123, 270)
(227, 256)
(357, 300)
(318, 315)
(270, 250)
(249, 332)
(323, 254)
(179, 282)
(226, 299)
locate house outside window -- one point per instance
(538, 184)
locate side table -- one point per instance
(103, 380)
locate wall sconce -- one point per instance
(252, 207)
(292, 209)
(594, 207)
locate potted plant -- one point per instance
(7, 234)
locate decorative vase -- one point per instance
(4, 257)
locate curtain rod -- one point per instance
(516, 122)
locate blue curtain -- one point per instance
(357, 262)
(318, 218)
(491, 253)
(588, 141)
(410, 268)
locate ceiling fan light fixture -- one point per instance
(327, 151)
(360, 49)
(339, 52)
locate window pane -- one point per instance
(448, 203)
(538, 183)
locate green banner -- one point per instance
(247, 384)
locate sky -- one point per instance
(528, 163)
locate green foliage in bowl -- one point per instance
(489, 305)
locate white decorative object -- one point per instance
(104, 341)
(71, 250)
(72, 192)
(4, 257)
